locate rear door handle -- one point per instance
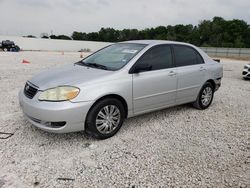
(202, 68)
(171, 73)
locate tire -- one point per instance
(101, 125)
(203, 101)
(17, 49)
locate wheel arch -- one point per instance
(116, 96)
(211, 82)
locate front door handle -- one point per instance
(171, 73)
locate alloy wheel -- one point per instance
(206, 96)
(108, 119)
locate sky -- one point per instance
(24, 17)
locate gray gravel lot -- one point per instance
(179, 146)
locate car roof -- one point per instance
(154, 42)
(157, 42)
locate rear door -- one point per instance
(191, 73)
(155, 88)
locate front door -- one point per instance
(156, 88)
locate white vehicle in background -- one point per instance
(246, 71)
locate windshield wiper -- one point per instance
(92, 65)
(81, 63)
(97, 65)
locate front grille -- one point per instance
(29, 90)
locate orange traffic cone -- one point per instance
(81, 56)
(25, 61)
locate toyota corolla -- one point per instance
(119, 81)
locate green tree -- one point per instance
(108, 34)
(79, 36)
(61, 37)
(217, 32)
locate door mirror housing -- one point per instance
(140, 68)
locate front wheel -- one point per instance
(205, 97)
(105, 118)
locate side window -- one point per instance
(159, 57)
(185, 56)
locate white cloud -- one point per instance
(22, 17)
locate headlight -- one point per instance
(61, 93)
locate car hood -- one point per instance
(67, 75)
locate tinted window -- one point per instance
(159, 57)
(199, 59)
(185, 56)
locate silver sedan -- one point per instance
(119, 81)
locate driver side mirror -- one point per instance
(140, 67)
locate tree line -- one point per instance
(217, 32)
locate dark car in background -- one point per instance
(9, 46)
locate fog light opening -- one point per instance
(57, 124)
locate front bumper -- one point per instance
(45, 115)
(217, 83)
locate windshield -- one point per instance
(113, 57)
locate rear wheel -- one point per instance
(105, 118)
(205, 97)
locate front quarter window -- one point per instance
(114, 57)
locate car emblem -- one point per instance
(27, 87)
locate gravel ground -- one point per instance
(180, 146)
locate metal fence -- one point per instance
(227, 52)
